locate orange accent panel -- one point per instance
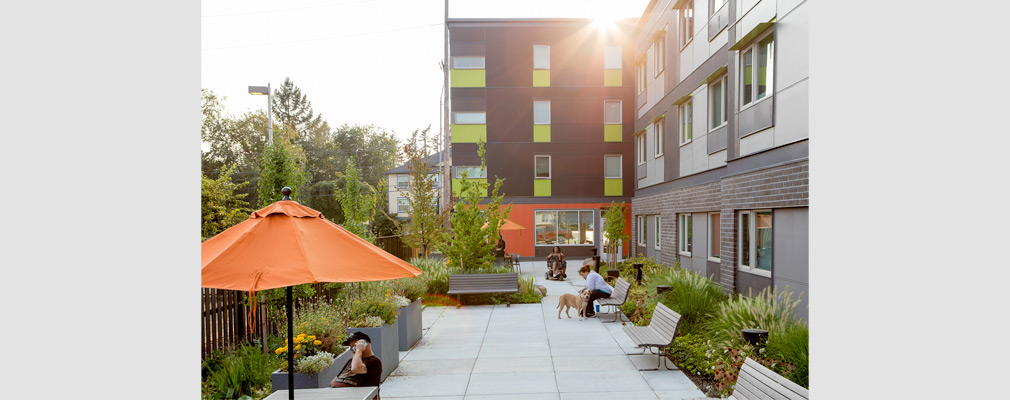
(521, 242)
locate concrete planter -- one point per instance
(409, 320)
(279, 380)
(385, 345)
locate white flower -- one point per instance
(401, 301)
(315, 363)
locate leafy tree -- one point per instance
(468, 245)
(221, 207)
(424, 230)
(358, 203)
(613, 227)
(282, 164)
(231, 141)
(372, 149)
(320, 197)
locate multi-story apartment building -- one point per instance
(721, 140)
(398, 181)
(553, 101)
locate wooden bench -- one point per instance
(659, 333)
(756, 381)
(483, 283)
(616, 299)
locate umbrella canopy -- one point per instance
(285, 244)
(508, 226)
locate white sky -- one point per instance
(352, 58)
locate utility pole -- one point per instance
(446, 137)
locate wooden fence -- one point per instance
(395, 246)
(225, 315)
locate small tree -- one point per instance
(358, 203)
(613, 227)
(424, 230)
(282, 164)
(468, 244)
(221, 208)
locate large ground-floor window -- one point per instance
(754, 239)
(564, 227)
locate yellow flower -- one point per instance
(312, 337)
(298, 339)
(317, 343)
(298, 347)
(279, 350)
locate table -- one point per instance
(341, 393)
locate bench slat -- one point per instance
(761, 382)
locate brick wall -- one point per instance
(774, 187)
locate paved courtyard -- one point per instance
(525, 352)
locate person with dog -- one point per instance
(557, 262)
(364, 368)
(596, 286)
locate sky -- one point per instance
(357, 61)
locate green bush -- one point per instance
(640, 305)
(693, 296)
(696, 354)
(435, 276)
(242, 372)
(411, 288)
(527, 292)
(770, 310)
(325, 321)
(792, 346)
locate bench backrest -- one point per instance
(620, 290)
(489, 282)
(758, 382)
(664, 321)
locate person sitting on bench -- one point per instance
(596, 286)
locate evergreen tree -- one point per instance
(281, 164)
(424, 230)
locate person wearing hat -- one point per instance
(364, 368)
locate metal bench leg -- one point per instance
(508, 300)
(617, 314)
(657, 364)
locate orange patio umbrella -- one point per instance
(509, 226)
(286, 244)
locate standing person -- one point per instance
(556, 260)
(596, 286)
(364, 368)
(499, 250)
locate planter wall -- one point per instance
(385, 345)
(279, 380)
(409, 320)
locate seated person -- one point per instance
(499, 250)
(556, 260)
(596, 286)
(364, 368)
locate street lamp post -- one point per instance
(265, 90)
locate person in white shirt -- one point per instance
(596, 286)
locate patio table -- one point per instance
(340, 393)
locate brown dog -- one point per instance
(568, 301)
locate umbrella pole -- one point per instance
(291, 351)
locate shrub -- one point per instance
(315, 363)
(527, 291)
(325, 321)
(696, 354)
(640, 305)
(792, 346)
(435, 276)
(770, 310)
(692, 296)
(242, 372)
(411, 288)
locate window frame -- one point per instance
(402, 184)
(455, 119)
(606, 55)
(685, 21)
(658, 230)
(755, 78)
(751, 231)
(659, 132)
(620, 109)
(548, 56)
(641, 231)
(402, 205)
(641, 71)
(686, 110)
(537, 157)
(723, 81)
(640, 149)
(659, 53)
(714, 8)
(456, 175)
(482, 59)
(620, 162)
(557, 228)
(535, 112)
(714, 235)
(685, 236)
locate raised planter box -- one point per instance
(385, 345)
(409, 320)
(279, 380)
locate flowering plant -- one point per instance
(315, 363)
(305, 346)
(400, 301)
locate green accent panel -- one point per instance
(613, 133)
(466, 78)
(718, 73)
(542, 77)
(753, 34)
(457, 185)
(541, 187)
(747, 75)
(613, 187)
(612, 77)
(541, 133)
(468, 133)
(682, 99)
(762, 76)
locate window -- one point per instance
(640, 75)
(756, 74)
(686, 122)
(470, 117)
(438, 179)
(659, 137)
(402, 181)
(564, 227)
(468, 62)
(543, 167)
(714, 5)
(612, 57)
(713, 236)
(687, 23)
(659, 53)
(717, 102)
(656, 239)
(612, 112)
(641, 230)
(541, 57)
(754, 241)
(684, 235)
(541, 112)
(640, 149)
(471, 172)
(402, 206)
(612, 166)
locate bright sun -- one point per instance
(604, 21)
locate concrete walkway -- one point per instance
(525, 352)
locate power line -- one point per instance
(287, 9)
(323, 38)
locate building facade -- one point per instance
(721, 141)
(552, 99)
(398, 182)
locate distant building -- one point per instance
(553, 99)
(397, 182)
